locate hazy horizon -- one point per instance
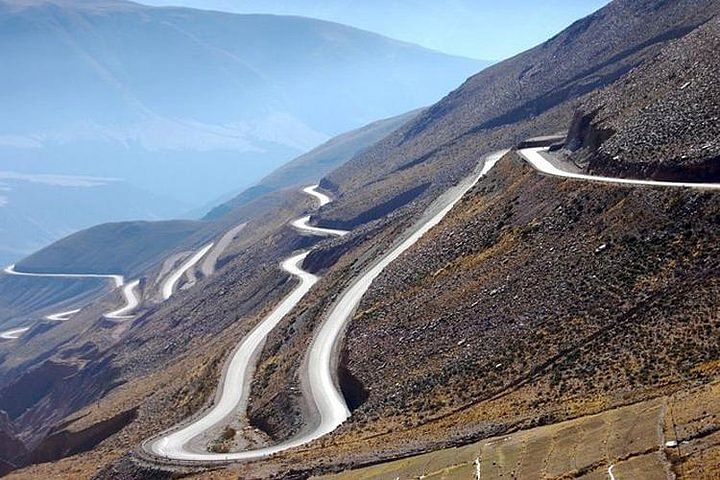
(449, 27)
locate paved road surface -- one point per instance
(62, 316)
(302, 225)
(169, 284)
(237, 378)
(118, 280)
(331, 406)
(535, 158)
(175, 444)
(13, 334)
(321, 197)
(131, 302)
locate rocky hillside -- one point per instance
(536, 300)
(530, 94)
(662, 120)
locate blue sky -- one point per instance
(483, 29)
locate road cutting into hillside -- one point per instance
(318, 369)
(234, 387)
(303, 225)
(210, 263)
(131, 301)
(535, 158)
(323, 392)
(62, 316)
(13, 334)
(168, 287)
(118, 280)
(321, 197)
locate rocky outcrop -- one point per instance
(662, 120)
(32, 386)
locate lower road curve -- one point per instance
(131, 302)
(234, 387)
(233, 391)
(177, 444)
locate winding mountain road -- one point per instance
(235, 384)
(118, 280)
(131, 302)
(168, 287)
(14, 334)
(176, 444)
(321, 197)
(302, 225)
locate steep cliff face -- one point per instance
(660, 121)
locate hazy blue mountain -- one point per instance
(472, 28)
(315, 164)
(38, 209)
(184, 103)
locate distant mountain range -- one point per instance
(188, 104)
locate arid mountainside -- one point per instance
(662, 120)
(537, 300)
(121, 248)
(58, 368)
(512, 100)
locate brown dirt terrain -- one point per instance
(500, 344)
(632, 438)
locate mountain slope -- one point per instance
(503, 104)
(311, 166)
(118, 248)
(172, 81)
(131, 248)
